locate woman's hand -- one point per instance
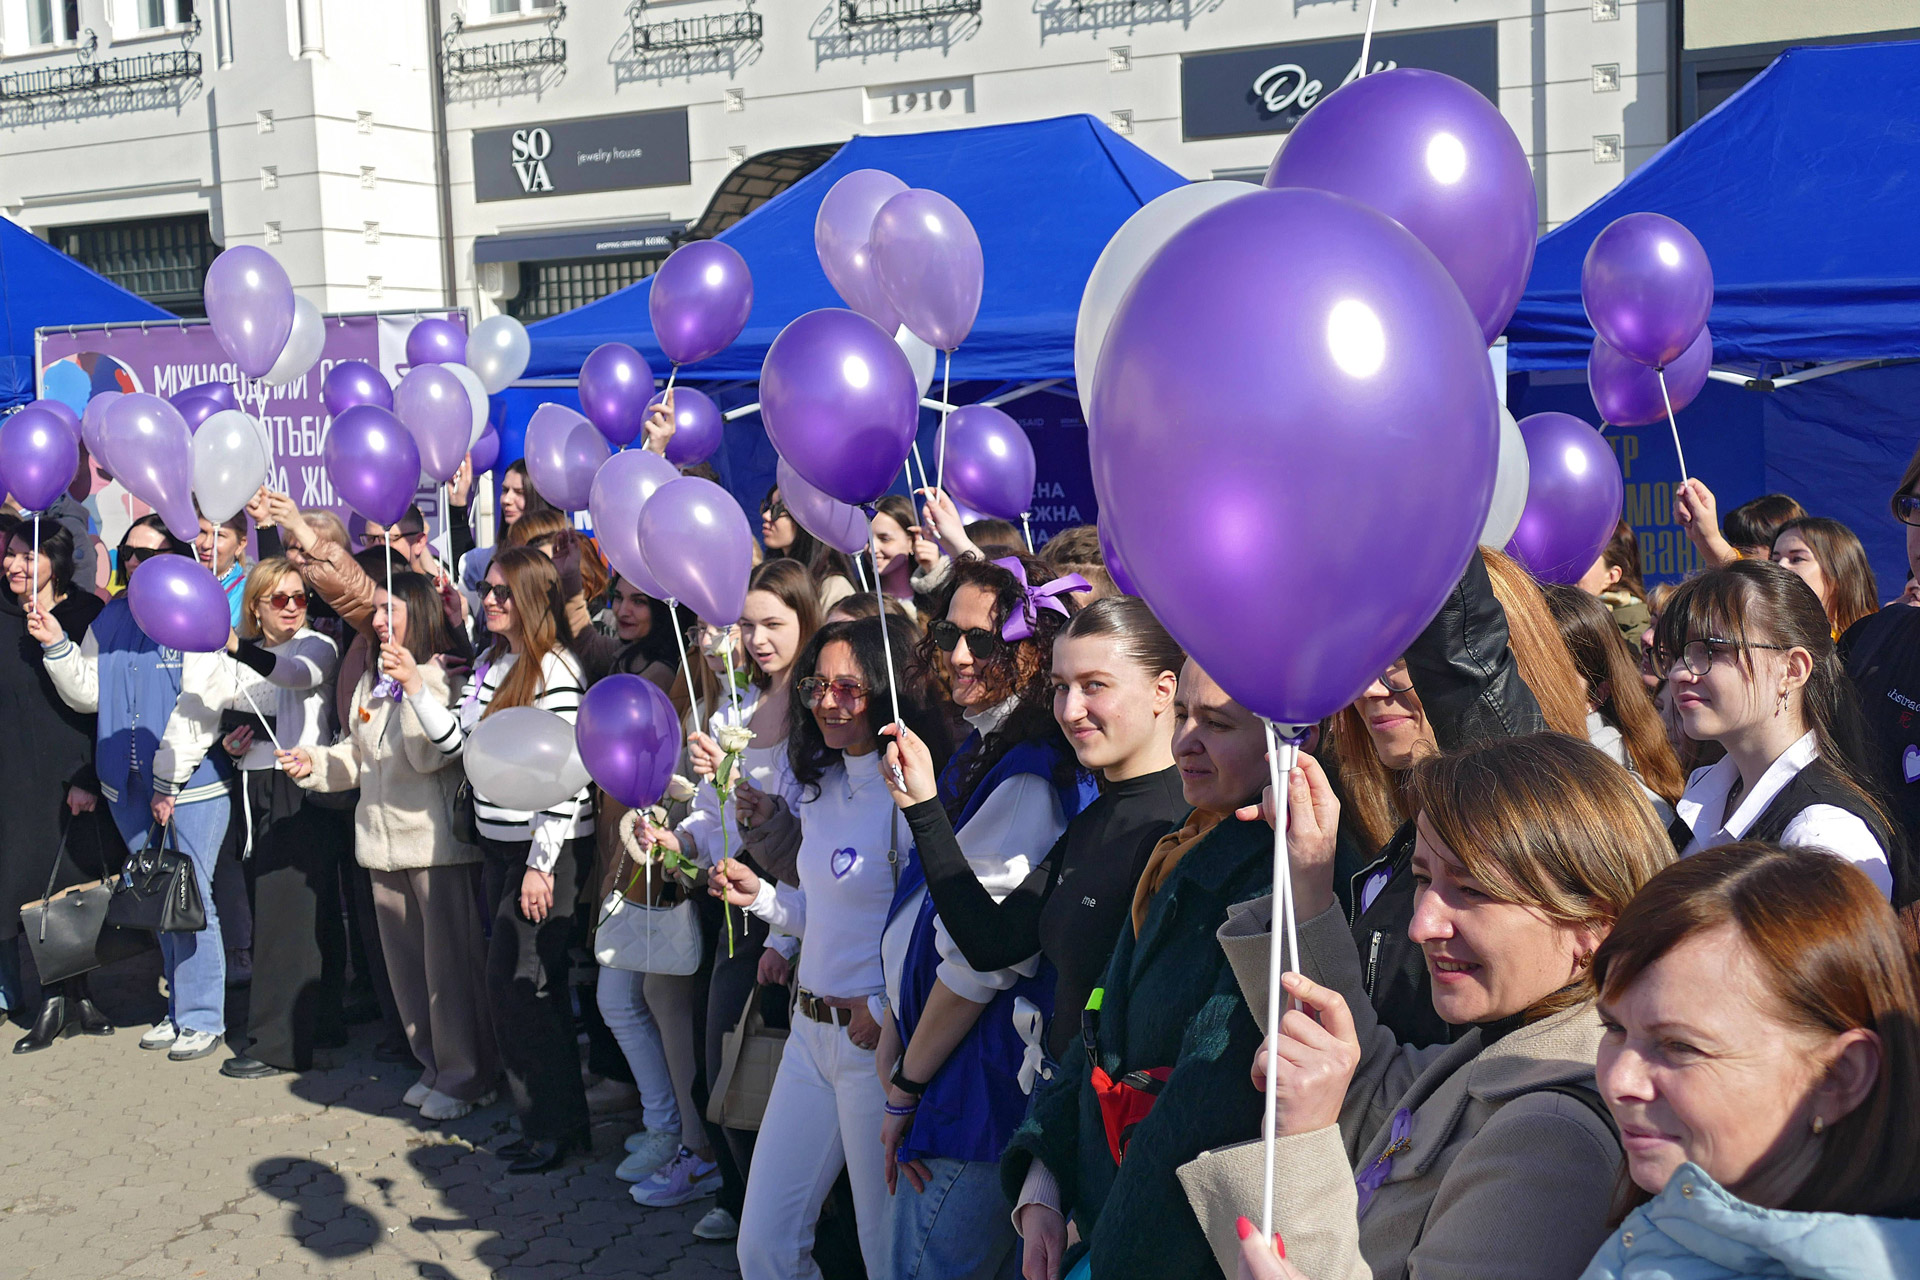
(260, 508)
(296, 764)
(42, 627)
(452, 604)
(774, 970)
(863, 1030)
(80, 800)
(752, 806)
(1317, 1056)
(947, 524)
(1313, 833)
(733, 883)
(396, 660)
(239, 741)
(1698, 516)
(909, 772)
(664, 837)
(462, 483)
(163, 809)
(893, 1132)
(536, 894)
(287, 515)
(704, 754)
(659, 426)
(1043, 1231)
(1263, 1259)
(926, 552)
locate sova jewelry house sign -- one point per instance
(595, 153)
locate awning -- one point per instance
(589, 242)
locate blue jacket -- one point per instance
(1695, 1230)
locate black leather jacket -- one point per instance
(1471, 691)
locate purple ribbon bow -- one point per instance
(1019, 626)
(1376, 1173)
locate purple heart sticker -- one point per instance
(843, 862)
(1910, 763)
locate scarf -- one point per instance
(1166, 856)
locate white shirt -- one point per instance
(1819, 826)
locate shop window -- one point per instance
(549, 288)
(164, 260)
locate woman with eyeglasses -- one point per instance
(782, 538)
(1752, 666)
(955, 1039)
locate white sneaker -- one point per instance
(189, 1045)
(161, 1036)
(420, 1092)
(682, 1179)
(648, 1150)
(441, 1106)
(717, 1225)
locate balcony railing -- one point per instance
(88, 79)
(508, 57)
(868, 13)
(711, 31)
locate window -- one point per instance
(165, 13)
(53, 21)
(513, 8)
(164, 260)
(549, 288)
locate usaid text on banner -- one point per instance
(595, 153)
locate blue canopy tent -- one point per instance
(41, 287)
(1802, 187)
(1045, 196)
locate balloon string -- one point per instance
(1366, 53)
(946, 406)
(1026, 530)
(886, 643)
(733, 685)
(389, 593)
(1672, 423)
(1281, 756)
(671, 375)
(860, 569)
(914, 459)
(686, 668)
(240, 679)
(35, 597)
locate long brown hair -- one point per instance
(1374, 795)
(788, 582)
(1851, 591)
(1622, 552)
(539, 624)
(1829, 950)
(1600, 653)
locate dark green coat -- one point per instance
(1171, 1000)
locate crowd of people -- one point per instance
(1606, 960)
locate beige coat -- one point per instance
(1502, 1181)
(403, 820)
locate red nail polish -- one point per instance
(1244, 1227)
(1279, 1245)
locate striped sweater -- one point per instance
(561, 688)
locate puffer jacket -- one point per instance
(1696, 1230)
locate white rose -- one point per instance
(735, 738)
(680, 789)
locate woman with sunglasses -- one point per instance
(783, 539)
(955, 1039)
(1752, 666)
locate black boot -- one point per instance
(542, 1154)
(92, 1021)
(46, 1028)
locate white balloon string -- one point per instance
(446, 539)
(886, 643)
(1280, 761)
(860, 570)
(1672, 423)
(34, 599)
(671, 375)
(733, 685)
(1026, 530)
(946, 407)
(1366, 54)
(389, 592)
(240, 678)
(686, 668)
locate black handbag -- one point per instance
(158, 891)
(68, 931)
(461, 819)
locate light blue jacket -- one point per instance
(1695, 1230)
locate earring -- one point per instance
(1781, 709)
(1582, 961)
(1818, 1125)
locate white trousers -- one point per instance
(824, 1114)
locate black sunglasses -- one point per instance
(496, 591)
(981, 643)
(773, 512)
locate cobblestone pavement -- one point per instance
(115, 1162)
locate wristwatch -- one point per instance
(900, 1081)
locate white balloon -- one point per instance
(919, 355)
(524, 758)
(1126, 255)
(1509, 484)
(303, 345)
(498, 350)
(476, 399)
(229, 464)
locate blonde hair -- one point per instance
(261, 581)
(327, 526)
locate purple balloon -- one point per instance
(696, 540)
(1573, 498)
(928, 260)
(1627, 393)
(1284, 360)
(840, 526)
(436, 341)
(840, 403)
(615, 385)
(699, 301)
(250, 305)
(373, 463)
(38, 457)
(485, 451)
(615, 500)
(194, 407)
(1434, 155)
(1110, 556)
(432, 404)
(1647, 286)
(218, 392)
(989, 461)
(697, 426)
(563, 452)
(178, 602)
(92, 426)
(63, 411)
(841, 231)
(629, 738)
(151, 449)
(353, 382)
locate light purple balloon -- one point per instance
(697, 426)
(629, 738)
(839, 525)
(1573, 498)
(696, 540)
(195, 408)
(1116, 569)
(151, 449)
(93, 426)
(178, 602)
(38, 457)
(1627, 393)
(250, 305)
(989, 461)
(700, 300)
(1433, 154)
(928, 259)
(485, 451)
(615, 385)
(1648, 287)
(219, 392)
(436, 341)
(841, 231)
(1285, 360)
(563, 452)
(353, 382)
(839, 401)
(373, 463)
(615, 499)
(61, 410)
(432, 405)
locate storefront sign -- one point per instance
(598, 153)
(1238, 92)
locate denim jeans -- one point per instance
(195, 963)
(959, 1228)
